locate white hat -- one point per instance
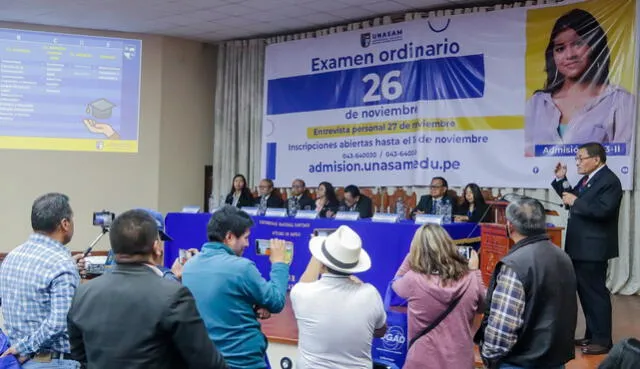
(341, 251)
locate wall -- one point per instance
(186, 134)
(175, 128)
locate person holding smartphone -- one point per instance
(230, 292)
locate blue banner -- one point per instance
(460, 77)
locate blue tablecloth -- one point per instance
(386, 243)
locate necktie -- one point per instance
(583, 184)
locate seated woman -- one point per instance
(474, 209)
(326, 200)
(432, 278)
(240, 195)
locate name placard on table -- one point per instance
(306, 214)
(385, 218)
(429, 218)
(347, 215)
(251, 210)
(276, 212)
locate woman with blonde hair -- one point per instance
(444, 291)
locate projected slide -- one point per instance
(68, 92)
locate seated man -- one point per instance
(269, 196)
(133, 318)
(300, 196)
(230, 292)
(355, 201)
(337, 315)
(437, 201)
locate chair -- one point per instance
(376, 198)
(458, 200)
(409, 201)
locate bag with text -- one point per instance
(391, 350)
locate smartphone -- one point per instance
(323, 232)
(263, 247)
(103, 218)
(185, 255)
(465, 251)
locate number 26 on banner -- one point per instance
(389, 88)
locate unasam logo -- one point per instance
(394, 338)
(372, 38)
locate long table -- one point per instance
(386, 243)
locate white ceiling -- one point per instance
(206, 20)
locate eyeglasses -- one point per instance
(436, 186)
(580, 159)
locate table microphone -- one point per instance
(481, 219)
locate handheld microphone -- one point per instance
(567, 187)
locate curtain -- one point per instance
(624, 271)
(238, 113)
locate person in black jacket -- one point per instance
(240, 195)
(428, 204)
(300, 197)
(355, 201)
(592, 238)
(269, 196)
(132, 317)
(326, 200)
(474, 208)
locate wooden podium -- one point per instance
(495, 243)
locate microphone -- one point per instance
(481, 219)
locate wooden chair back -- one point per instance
(390, 201)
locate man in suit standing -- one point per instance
(592, 239)
(134, 318)
(429, 204)
(355, 201)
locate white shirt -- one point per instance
(594, 172)
(336, 319)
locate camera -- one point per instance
(103, 218)
(465, 251)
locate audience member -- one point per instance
(337, 315)
(239, 195)
(326, 201)
(269, 196)
(355, 201)
(432, 203)
(230, 292)
(37, 283)
(624, 355)
(531, 304)
(444, 292)
(132, 317)
(592, 239)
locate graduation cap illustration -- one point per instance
(101, 108)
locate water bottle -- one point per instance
(292, 207)
(400, 207)
(212, 203)
(446, 211)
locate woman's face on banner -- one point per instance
(570, 54)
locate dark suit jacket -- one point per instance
(364, 206)
(306, 201)
(242, 201)
(272, 202)
(592, 229)
(426, 203)
(133, 318)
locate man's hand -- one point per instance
(460, 218)
(278, 251)
(81, 263)
(561, 170)
(568, 198)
